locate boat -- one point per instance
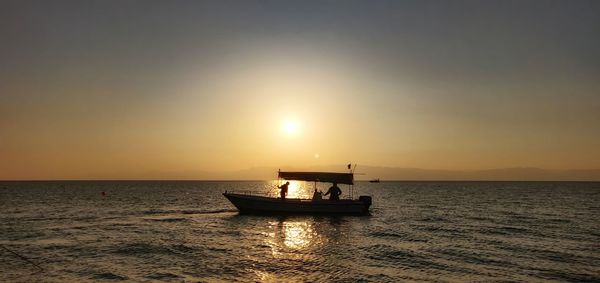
(374, 181)
(249, 203)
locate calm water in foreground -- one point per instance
(187, 231)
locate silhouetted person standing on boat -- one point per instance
(284, 189)
(334, 192)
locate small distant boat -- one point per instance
(374, 181)
(255, 204)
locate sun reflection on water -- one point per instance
(293, 239)
(297, 240)
(297, 235)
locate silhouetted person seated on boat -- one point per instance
(334, 192)
(284, 189)
(317, 195)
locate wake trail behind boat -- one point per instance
(208, 211)
(187, 211)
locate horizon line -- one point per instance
(265, 180)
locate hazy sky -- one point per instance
(101, 89)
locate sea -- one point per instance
(186, 231)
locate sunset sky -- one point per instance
(105, 89)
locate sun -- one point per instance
(290, 127)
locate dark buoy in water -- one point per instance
(103, 194)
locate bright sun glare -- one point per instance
(290, 127)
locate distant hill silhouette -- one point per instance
(500, 174)
(365, 172)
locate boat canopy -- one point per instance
(325, 177)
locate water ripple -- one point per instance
(186, 231)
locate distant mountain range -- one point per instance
(392, 173)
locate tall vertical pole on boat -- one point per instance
(352, 185)
(353, 169)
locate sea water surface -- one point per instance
(187, 231)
